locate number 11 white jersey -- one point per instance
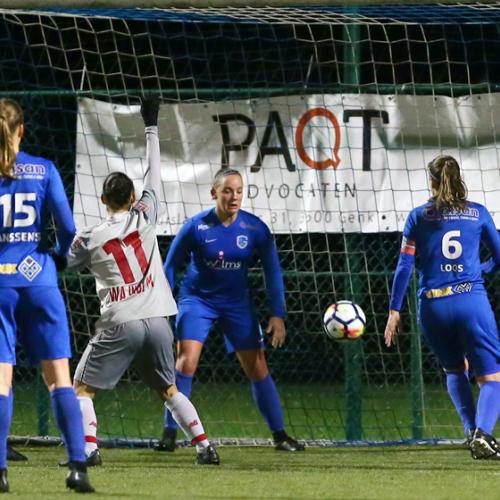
(122, 253)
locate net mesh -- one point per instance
(362, 391)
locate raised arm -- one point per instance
(149, 111)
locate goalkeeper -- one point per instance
(455, 314)
(220, 243)
(122, 253)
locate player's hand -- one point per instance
(150, 107)
(60, 261)
(392, 328)
(276, 328)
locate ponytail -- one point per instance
(451, 191)
(11, 116)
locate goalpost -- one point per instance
(332, 114)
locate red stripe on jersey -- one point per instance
(408, 246)
(199, 439)
(90, 439)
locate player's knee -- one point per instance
(186, 364)
(83, 390)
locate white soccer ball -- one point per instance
(344, 321)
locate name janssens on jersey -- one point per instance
(123, 292)
(19, 237)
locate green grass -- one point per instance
(227, 410)
(417, 472)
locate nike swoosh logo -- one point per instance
(210, 241)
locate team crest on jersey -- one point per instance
(242, 241)
(29, 268)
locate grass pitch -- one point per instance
(418, 472)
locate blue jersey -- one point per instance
(219, 257)
(447, 244)
(26, 204)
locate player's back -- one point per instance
(122, 253)
(24, 214)
(448, 243)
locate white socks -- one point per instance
(89, 424)
(187, 418)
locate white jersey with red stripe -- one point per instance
(122, 253)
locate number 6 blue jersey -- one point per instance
(447, 244)
(26, 204)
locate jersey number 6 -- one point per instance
(451, 248)
(114, 247)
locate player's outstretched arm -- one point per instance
(150, 108)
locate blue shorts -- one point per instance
(238, 320)
(37, 315)
(462, 326)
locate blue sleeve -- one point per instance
(178, 252)
(59, 208)
(272, 271)
(491, 238)
(405, 265)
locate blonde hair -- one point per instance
(11, 116)
(221, 174)
(451, 191)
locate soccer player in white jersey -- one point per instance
(122, 253)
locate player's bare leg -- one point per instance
(266, 397)
(187, 418)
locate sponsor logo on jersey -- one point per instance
(203, 227)
(242, 241)
(20, 237)
(221, 263)
(436, 293)
(31, 169)
(29, 268)
(8, 268)
(448, 213)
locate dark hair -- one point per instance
(451, 191)
(117, 188)
(220, 174)
(11, 116)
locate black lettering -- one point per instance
(273, 122)
(367, 115)
(227, 145)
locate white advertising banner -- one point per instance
(319, 163)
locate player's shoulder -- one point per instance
(202, 220)
(251, 220)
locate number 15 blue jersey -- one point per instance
(26, 204)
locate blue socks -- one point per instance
(267, 399)
(488, 406)
(68, 416)
(185, 385)
(460, 392)
(5, 419)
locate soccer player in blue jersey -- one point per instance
(31, 305)
(219, 244)
(455, 315)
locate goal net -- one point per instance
(331, 114)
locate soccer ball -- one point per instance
(344, 321)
